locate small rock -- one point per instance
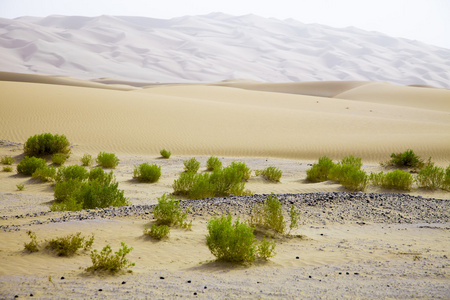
(195, 293)
(100, 290)
(188, 281)
(297, 257)
(62, 278)
(161, 277)
(123, 282)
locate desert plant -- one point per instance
(270, 173)
(46, 144)
(71, 204)
(106, 261)
(319, 171)
(294, 216)
(69, 245)
(63, 190)
(376, 178)
(397, 179)
(183, 185)
(74, 172)
(241, 167)
(32, 246)
(213, 163)
(407, 159)
(227, 181)
(58, 158)
(348, 172)
(164, 153)
(191, 166)
(266, 249)
(168, 212)
(45, 173)
(20, 186)
(107, 160)
(87, 160)
(28, 165)
(7, 160)
(7, 169)
(157, 232)
(431, 177)
(269, 215)
(446, 182)
(147, 173)
(202, 187)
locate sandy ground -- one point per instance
(368, 258)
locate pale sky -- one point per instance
(424, 20)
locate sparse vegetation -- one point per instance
(7, 160)
(348, 172)
(319, 171)
(270, 173)
(269, 215)
(431, 177)
(397, 179)
(147, 173)
(266, 249)
(106, 261)
(7, 169)
(164, 153)
(446, 183)
(46, 144)
(58, 158)
(74, 172)
(157, 232)
(241, 167)
(407, 159)
(87, 160)
(107, 160)
(191, 166)
(20, 187)
(213, 163)
(168, 212)
(69, 245)
(45, 174)
(28, 165)
(31, 246)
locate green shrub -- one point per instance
(20, 186)
(7, 169)
(164, 153)
(157, 232)
(213, 163)
(106, 261)
(431, 177)
(45, 173)
(202, 187)
(33, 245)
(266, 249)
(107, 160)
(69, 245)
(63, 190)
(7, 160)
(87, 160)
(397, 179)
(183, 185)
(228, 181)
(58, 158)
(74, 172)
(294, 216)
(28, 165)
(168, 212)
(376, 178)
(270, 173)
(319, 171)
(406, 159)
(348, 172)
(191, 166)
(241, 167)
(147, 173)
(269, 215)
(46, 144)
(71, 204)
(446, 182)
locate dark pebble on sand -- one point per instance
(310, 276)
(62, 277)
(347, 273)
(205, 287)
(123, 282)
(31, 295)
(297, 257)
(161, 277)
(100, 290)
(356, 273)
(195, 294)
(188, 281)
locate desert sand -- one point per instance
(350, 249)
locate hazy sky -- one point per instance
(424, 20)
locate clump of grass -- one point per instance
(20, 187)
(59, 158)
(446, 183)
(168, 212)
(397, 179)
(270, 173)
(157, 232)
(28, 165)
(7, 169)
(266, 249)
(107, 160)
(74, 172)
(407, 159)
(69, 245)
(45, 173)
(431, 177)
(269, 215)
(109, 262)
(319, 171)
(164, 153)
(213, 163)
(46, 144)
(7, 160)
(183, 185)
(348, 172)
(147, 173)
(32, 246)
(87, 160)
(376, 178)
(241, 167)
(191, 166)
(294, 216)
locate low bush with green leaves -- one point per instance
(147, 173)
(70, 244)
(191, 166)
(107, 160)
(348, 172)
(7, 169)
(446, 182)
(58, 158)
(266, 249)
(45, 173)
(241, 167)
(46, 144)
(270, 173)
(319, 171)
(431, 177)
(7, 160)
(157, 232)
(87, 160)
(74, 172)
(407, 159)
(20, 187)
(213, 163)
(168, 212)
(33, 245)
(376, 178)
(164, 153)
(397, 179)
(28, 165)
(109, 262)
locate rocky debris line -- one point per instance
(315, 208)
(6, 143)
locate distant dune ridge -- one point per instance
(212, 48)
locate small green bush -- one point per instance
(147, 173)
(348, 172)
(294, 216)
(202, 187)
(431, 177)
(71, 204)
(20, 186)
(407, 159)
(319, 171)
(168, 212)
(191, 166)
(266, 249)
(46, 144)
(269, 215)
(69, 245)
(228, 181)
(107, 160)
(7, 160)
(32, 246)
(157, 232)
(7, 169)
(213, 163)
(446, 182)
(241, 167)
(164, 153)
(45, 174)
(106, 261)
(376, 178)
(63, 190)
(28, 165)
(58, 158)
(87, 160)
(397, 179)
(74, 172)
(183, 185)
(270, 173)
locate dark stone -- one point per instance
(195, 294)
(31, 295)
(310, 276)
(188, 281)
(205, 287)
(347, 273)
(100, 290)
(297, 257)
(62, 278)
(161, 277)
(123, 282)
